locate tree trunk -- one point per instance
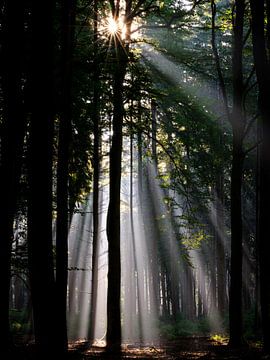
(41, 270)
(263, 77)
(12, 137)
(237, 120)
(113, 217)
(220, 245)
(137, 284)
(238, 123)
(62, 222)
(96, 165)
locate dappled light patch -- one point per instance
(218, 339)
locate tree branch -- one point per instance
(251, 148)
(252, 72)
(249, 125)
(247, 35)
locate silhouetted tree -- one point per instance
(238, 128)
(113, 218)
(40, 251)
(96, 168)
(13, 127)
(62, 223)
(261, 60)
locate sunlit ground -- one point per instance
(182, 348)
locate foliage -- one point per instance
(194, 239)
(20, 321)
(174, 328)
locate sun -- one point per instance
(112, 26)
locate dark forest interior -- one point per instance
(134, 179)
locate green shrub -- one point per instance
(172, 328)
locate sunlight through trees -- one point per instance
(134, 195)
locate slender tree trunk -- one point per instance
(238, 124)
(154, 131)
(96, 164)
(257, 316)
(213, 275)
(12, 137)
(154, 233)
(140, 168)
(137, 284)
(220, 245)
(261, 60)
(62, 222)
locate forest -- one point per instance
(134, 179)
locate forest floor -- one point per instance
(182, 348)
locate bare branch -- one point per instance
(252, 148)
(252, 72)
(250, 124)
(247, 35)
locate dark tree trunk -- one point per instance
(220, 245)
(12, 137)
(238, 124)
(154, 131)
(213, 275)
(135, 273)
(96, 165)
(261, 60)
(62, 221)
(152, 228)
(113, 218)
(40, 254)
(140, 168)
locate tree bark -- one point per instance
(12, 137)
(238, 125)
(40, 255)
(113, 217)
(261, 61)
(96, 165)
(62, 221)
(135, 273)
(220, 246)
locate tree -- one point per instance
(238, 122)
(238, 128)
(40, 252)
(261, 61)
(113, 218)
(68, 9)
(96, 168)
(13, 127)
